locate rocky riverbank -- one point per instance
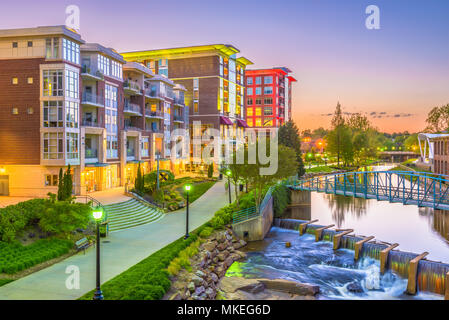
(209, 266)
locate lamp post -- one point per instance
(228, 173)
(187, 187)
(98, 214)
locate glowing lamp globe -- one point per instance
(228, 173)
(98, 214)
(187, 187)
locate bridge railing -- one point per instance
(244, 215)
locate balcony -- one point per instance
(88, 73)
(90, 155)
(132, 88)
(90, 123)
(154, 129)
(92, 100)
(154, 114)
(130, 152)
(177, 118)
(132, 108)
(179, 101)
(153, 94)
(131, 128)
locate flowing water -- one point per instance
(307, 261)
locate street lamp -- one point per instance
(98, 214)
(187, 188)
(228, 173)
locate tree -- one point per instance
(210, 170)
(60, 196)
(339, 143)
(139, 183)
(288, 136)
(68, 184)
(361, 146)
(338, 128)
(357, 122)
(287, 167)
(438, 119)
(411, 142)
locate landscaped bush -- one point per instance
(281, 199)
(15, 257)
(63, 217)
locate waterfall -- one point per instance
(399, 262)
(373, 250)
(432, 276)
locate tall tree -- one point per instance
(438, 119)
(358, 122)
(68, 183)
(288, 136)
(61, 191)
(335, 136)
(139, 183)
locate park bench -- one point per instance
(82, 244)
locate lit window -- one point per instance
(53, 114)
(268, 111)
(53, 83)
(30, 80)
(30, 110)
(258, 122)
(15, 111)
(249, 112)
(268, 123)
(53, 145)
(250, 122)
(258, 111)
(15, 80)
(195, 107)
(51, 180)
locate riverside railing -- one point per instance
(252, 212)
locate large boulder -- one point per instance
(210, 246)
(223, 255)
(292, 287)
(232, 284)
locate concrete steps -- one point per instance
(131, 213)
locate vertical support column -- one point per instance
(377, 185)
(412, 287)
(337, 237)
(319, 232)
(344, 184)
(390, 187)
(384, 257)
(446, 294)
(303, 227)
(355, 185)
(359, 246)
(403, 189)
(365, 176)
(325, 187)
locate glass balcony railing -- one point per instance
(179, 101)
(90, 123)
(131, 85)
(132, 128)
(89, 98)
(130, 152)
(91, 153)
(132, 107)
(178, 118)
(154, 114)
(91, 72)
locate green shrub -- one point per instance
(206, 232)
(281, 199)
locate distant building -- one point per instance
(434, 150)
(268, 97)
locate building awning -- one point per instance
(226, 121)
(97, 164)
(242, 123)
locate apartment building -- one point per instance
(268, 97)
(213, 77)
(64, 101)
(440, 153)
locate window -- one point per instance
(268, 90)
(71, 84)
(145, 147)
(249, 112)
(258, 91)
(268, 80)
(268, 111)
(249, 81)
(103, 64)
(249, 91)
(52, 48)
(258, 80)
(117, 70)
(53, 114)
(111, 96)
(258, 122)
(258, 101)
(15, 111)
(71, 111)
(250, 122)
(163, 67)
(30, 110)
(268, 101)
(111, 121)
(112, 147)
(53, 145)
(268, 123)
(249, 102)
(51, 180)
(30, 80)
(71, 51)
(15, 45)
(258, 112)
(195, 107)
(72, 145)
(15, 80)
(196, 83)
(53, 83)
(30, 44)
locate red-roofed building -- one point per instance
(268, 97)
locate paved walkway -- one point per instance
(110, 196)
(122, 250)
(7, 201)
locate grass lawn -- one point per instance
(198, 189)
(320, 169)
(5, 281)
(15, 257)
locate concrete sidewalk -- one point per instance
(120, 251)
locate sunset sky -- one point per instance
(395, 75)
